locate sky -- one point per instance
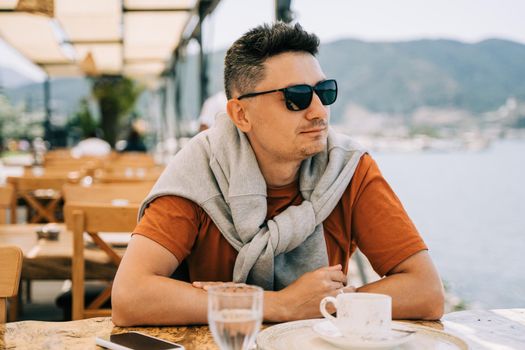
(370, 20)
(380, 20)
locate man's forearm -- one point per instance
(275, 309)
(411, 299)
(163, 301)
(159, 300)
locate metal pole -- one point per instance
(47, 106)
(202, 58)
(282, 11)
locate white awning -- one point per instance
(143, 43)
(33, 36)
(159, 4)
(144, 69)
(92, 20)
(63, 70)
(107, 57)
(131, 37)
(8, 4)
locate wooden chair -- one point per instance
(7, 196)
(128, 175)
(84, 163)
(60, 153)
(41, 193)
(132, 159)
(107, 192)
(66, 156)
(11, 258)
(102, 207)
(94, 218)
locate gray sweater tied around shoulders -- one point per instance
(218, 171)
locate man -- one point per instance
(271, 196)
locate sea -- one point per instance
(470, 209)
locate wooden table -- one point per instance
(496, 329)
(51, 260)
(81, 334)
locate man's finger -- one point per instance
(198, 284)
(337, 276)
(336, 285)
(205, 285)
(349, 289)
(335, 267)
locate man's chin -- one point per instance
(312, 149)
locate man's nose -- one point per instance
(316, 110)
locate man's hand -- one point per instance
(301, 299)
(206, 285)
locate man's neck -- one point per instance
(279, 173)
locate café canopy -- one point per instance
(135, 38)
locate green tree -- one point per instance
(16, 124)
(83, 120)
(116, 96)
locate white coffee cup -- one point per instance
(360, 314)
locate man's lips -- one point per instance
(313, 130)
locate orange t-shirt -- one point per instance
(369, 215)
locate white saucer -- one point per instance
(327, 331)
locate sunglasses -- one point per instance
(299, 97)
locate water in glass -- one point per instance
(235, 315)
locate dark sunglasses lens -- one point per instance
(327, 91)
(298, 97)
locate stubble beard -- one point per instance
(311, 150)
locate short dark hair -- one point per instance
(243, 65)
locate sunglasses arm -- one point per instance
(253, 94)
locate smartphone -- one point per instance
(136, 341)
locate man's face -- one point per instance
(277, 133)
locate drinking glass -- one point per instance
(235, 313)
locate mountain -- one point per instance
(384, 77)
(400, 77)
(10, 78)
(66, 94)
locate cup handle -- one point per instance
(322, 307)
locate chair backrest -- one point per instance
(107, 192)
(31, 183)
(10, 267)
(93, 218)
(59, 154)
(33, 188)
(79, 163)
(132, 159)
(128, 175)
(7, 196)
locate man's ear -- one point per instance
(237, 114)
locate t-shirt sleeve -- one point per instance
(380, 225)
(173, 222)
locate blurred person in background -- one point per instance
(134, 141)
(92, 146)
(214, 105)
